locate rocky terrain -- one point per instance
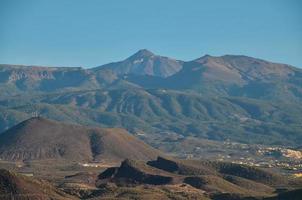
(163, 178)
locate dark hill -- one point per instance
(136, 172)
(289, 195)
(207, 176)
(39, 138)
(14, 186)
(223, 169)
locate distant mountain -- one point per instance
(145, 62)
(239, 76)
(232, 97)
(38, 139)
(219, 76)
(15, 79)
(154, 113)
(19, 79)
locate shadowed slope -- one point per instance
(208, 176)
(13, 186)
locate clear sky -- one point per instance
(89, 33)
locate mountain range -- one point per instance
(226, 75)
(232, 97)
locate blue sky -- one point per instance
(94, 32)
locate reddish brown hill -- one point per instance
(40, 138)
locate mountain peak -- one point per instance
(143, 53)
(204, 58)
(144, 62)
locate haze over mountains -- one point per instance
(225, 75)
(229, 97)
(44, 113)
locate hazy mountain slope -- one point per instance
(239, 76)
(229, 97)
(20, 79)
(11, 117)
(220, 76)
(39, 138)
(79, 115)
(144, 62)
(163, 103)
(155, 111)
(17, 79)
